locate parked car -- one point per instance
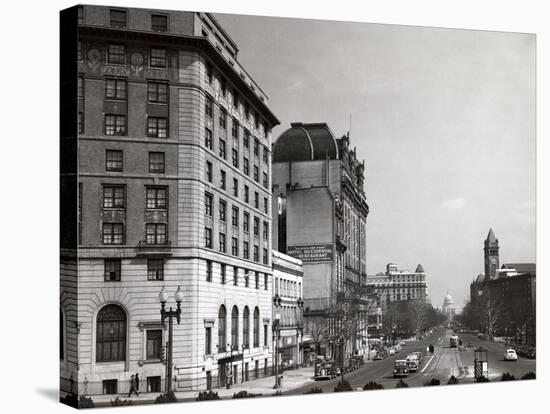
(510, 355)
(400, 368)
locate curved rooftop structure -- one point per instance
(419, 269)
(448, 301)
(305, 142)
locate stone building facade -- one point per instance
(174, 189)
(288, 309)
(319, 197)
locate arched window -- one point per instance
(221, 329)
(61, 335)
(235, 328)
(246, 327)
(256, 327)
(111, 334)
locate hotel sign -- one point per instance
(311, 252)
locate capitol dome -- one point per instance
(448, 301)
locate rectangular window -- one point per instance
(153, 384)
(222, 179)
(222, 148)
(223, 119)
(256, 173)
(265, 258)
(235, 216)
(246, 278)
(208, 271)
(246, 138)
(256, 280)
(207, 138)
(116, 54)
(246, 194)
(113, 233)
(157, 92)
(159, 23)
(156, 162)
(209, 107)
(256, 147)
(235, 187)
(222, 242)
(266, 155)
(118, 18)
(115, 125)
(235, 129)
(222, 210)
(246, 250)
(256, 200)
(157, 127)
(266, 281)
(116, 88)
(246, 166)
(155, 233)
(208, 204)
(112, 270)
(158, 58)
(235, 275)
(235, 157)
(256, 120)
(222, 273)
(207, 238)
(156, 198)
(265, 335)
(265, 231)
(223, 87)
(81, 87)
(256, 226)
(235, 99)
(247, 111)
(80, 122)
(234, 246)
(208, 341)
(209, 73)
(110, 387)
(265, 180)
(246, 222)
(256, 254)
(113, 160)
(209, 171)
(155, 269)
(113, 196)
(266, 206)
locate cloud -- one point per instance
(454, 203)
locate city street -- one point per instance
(445, 362)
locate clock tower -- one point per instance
(491, 255)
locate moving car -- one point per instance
(412, 362)
(419, 355)
(400, 368)
(324, 370)
(510, 355)
(391, 351)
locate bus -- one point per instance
(454, 341)
(324, 370)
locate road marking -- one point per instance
(428, 363)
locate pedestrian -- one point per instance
(133, 386)
(137, 382)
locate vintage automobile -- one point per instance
(400, 368)
(412, 362)
(510, 355)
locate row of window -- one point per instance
(222, 330)
(235, 190)
(115, 233)
(288, 288)
(114, 197)
(117, 89)
(119, 18)
(114, 161)
(224, 278)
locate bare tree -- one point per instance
(491, 309)
(418, 311)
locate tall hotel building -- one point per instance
(321, 206)
(173, 185)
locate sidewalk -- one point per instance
(291, 379)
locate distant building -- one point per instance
(320, 212)
(448, 308)
(513, 292)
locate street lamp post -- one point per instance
(242, 364)
(170, 315)
(300, 329)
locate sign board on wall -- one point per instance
(311, 252)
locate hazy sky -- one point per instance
(445, 120)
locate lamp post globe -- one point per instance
(179, 295)
(163, 295)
